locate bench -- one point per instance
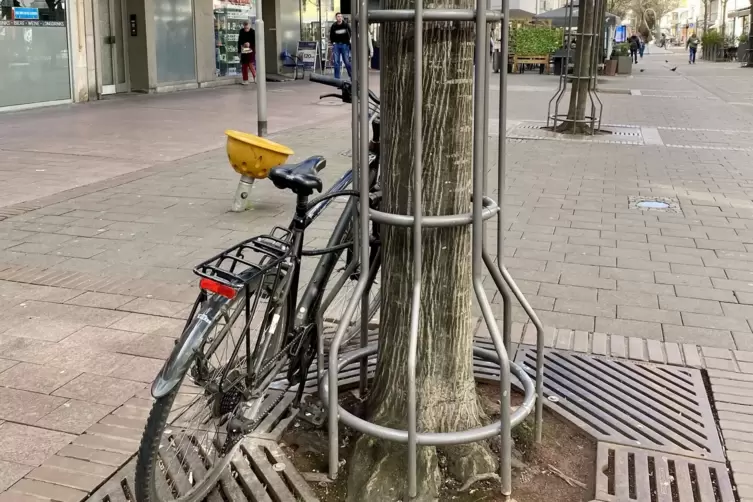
(542, 61)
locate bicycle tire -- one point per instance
(148, 458)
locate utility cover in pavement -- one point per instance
(627, 474)
(656, 407)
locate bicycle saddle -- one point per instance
(301, 178)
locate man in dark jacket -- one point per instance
(339, 36)
(635, 44)
(247, 51)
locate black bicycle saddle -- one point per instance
(301, 178)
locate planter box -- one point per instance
(610, 67)
(624, 65)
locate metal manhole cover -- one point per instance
(656, 407)
(254, 474)
(627, 474)
(658, 204)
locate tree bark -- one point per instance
(447, 399)
(576, 113)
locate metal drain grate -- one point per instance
(651, 406)
(259, 472)
(626, 474)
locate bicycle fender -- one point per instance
(183, 353)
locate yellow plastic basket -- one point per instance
(253, 156)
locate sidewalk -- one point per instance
(96, 250)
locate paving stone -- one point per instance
(588, 281)
(698, 270)
(697, 335)
(714, 322)
(716, 353)
(600, 341)
(655, 351)
(100, 300)
(52, 330)
(78, 480)
(721, 364)
(581, 341)
(645, 288)
(704, 293)
(95, 455)
(105, 339)
(141, 323)
(139, 369)
(74, 416)
(11, 472)
(26, 407)
(627, 298)
(48, 491)
(31, 446)
(36, 378)
(648, 314)
(636, 349)
(625, 327)
(692, 358)
(674, 355)
(104, 443)
(99, 389)
(6, 363)
(79, 466)
(693, 305)
(682, 279)
(584, 308)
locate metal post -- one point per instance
(261, 73)
(242, 199)
(418, 100)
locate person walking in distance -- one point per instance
(339, 36)
(247, 50)
(635, 43)
(692, 46)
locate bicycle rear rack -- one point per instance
(483, 208)
(233, 267)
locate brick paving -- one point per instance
(95, 263)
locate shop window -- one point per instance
(229, 17)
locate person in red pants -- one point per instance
(247, 50)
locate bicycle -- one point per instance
(219, 376)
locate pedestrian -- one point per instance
(641, 45)
(663, 42)
(692, 46)
(247, 50)
(339, 36)
(634, 45)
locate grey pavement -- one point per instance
(108, 206)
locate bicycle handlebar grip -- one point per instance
(324, 79)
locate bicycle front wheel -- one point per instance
(186, 447)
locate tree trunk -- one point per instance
(724, 23)
(576, 113)
(447, 399)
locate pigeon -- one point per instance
(642, 70)
(666, 60)
(674, 69)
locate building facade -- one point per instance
(58, 51)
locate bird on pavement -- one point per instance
(673, 69)
(642, 70)
(666, 60)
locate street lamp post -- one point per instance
(242, 199)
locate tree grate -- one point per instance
(628, 474)
(259, 472)
(656, 407)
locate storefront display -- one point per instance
(228, 21)
(34, 59)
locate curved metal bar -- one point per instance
(451, 220)
(430, 438)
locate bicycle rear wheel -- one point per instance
(185, 447)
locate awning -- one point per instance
(560, 17)
(739, 13)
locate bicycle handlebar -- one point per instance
(344, 85)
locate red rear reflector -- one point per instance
(216, 287)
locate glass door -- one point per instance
(112, 46)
